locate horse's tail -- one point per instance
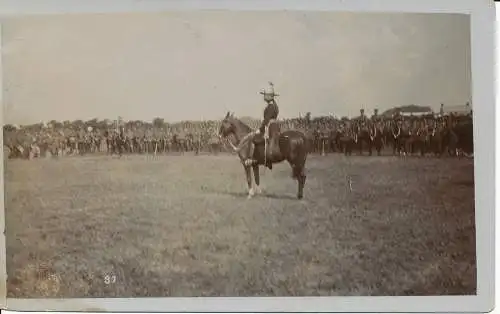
(300, 148)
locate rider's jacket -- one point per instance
(271, 112)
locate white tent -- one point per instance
(416, 114)
(457, 110)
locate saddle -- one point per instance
(268, 140)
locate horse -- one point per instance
(180, 142)
(363, 134)
(419, 138)
(116, 144)
(346, 140)
(376, 137)
(398, 138)
(291, 146)
(214, 145)
(465, 132)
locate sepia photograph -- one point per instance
(238, 154)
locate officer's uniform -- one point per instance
(270, 112)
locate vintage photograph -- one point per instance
(224, 153)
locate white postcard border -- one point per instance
(482, 37)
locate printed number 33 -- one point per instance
(109, 279)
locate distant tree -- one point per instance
(158, 123)
(9, 128)
(308, 118)
(94, 123)
(129, 125)
(78, 124)
(102, 124)
(55, 124)
(35, 127)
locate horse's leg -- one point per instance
(298, 168)
(256, 176)
(297, 160)
(302, 181)
(248, 173)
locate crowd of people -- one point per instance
(398, 134)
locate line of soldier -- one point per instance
(424, 135)
(108, 141)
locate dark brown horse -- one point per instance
(291, 146)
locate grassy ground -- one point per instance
(182, 226)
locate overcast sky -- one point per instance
(198, 65)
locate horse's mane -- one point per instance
(241, 124)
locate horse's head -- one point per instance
(227, 125)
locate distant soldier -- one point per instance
(441, 110)
(122, 132)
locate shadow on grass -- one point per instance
(245, 195)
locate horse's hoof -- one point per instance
(258, 190)
(300, 196)
(248, 162)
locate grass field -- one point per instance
(182, 226)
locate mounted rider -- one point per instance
(121, 130)
(270, 113)
(375, 117)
